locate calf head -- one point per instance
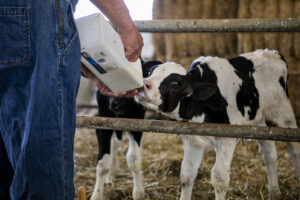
(125, 106)
(167, 84)
(120, 106)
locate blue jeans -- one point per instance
(39, 79)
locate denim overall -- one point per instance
(39, 79)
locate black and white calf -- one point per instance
(250, 89)
(108, 141)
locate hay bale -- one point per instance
(225, 43)
(245, 40)
(257, 11)
(297, 92)
(271, 11)
(207, 13)
(296, 54)
(195, 45)
(185, 61)
(169, 46)
(221, 9)
(157, 9)
(158, 38)
(292, 81)
(231, 38)
(180, 40)
(285, 41)
(194, 40)
(159, 46)
(169, 6)
(296, 45)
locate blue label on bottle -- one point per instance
(94, 63)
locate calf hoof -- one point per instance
(138, 194)
(96, 197)
(110, 178)
(275, 194)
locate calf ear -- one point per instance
(202, 91)
(146, 66)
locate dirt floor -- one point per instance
(162, 155)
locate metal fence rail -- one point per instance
(219, 25)
(88, 106)
(188, 128)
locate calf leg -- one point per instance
(115, 143)
(294, 151)
(220, 173)
(104, 162)
(134, 163)
(189, 167)
(283, 116)
(268, 150)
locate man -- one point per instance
(39, 78)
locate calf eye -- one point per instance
(175, 84)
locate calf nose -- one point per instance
(147, 84)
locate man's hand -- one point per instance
(133, 43)
(103, 89)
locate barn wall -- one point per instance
(184, 48)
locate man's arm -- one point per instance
(117, 12)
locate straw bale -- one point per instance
(158, 38)
(168, 9)
(180, 40)
(194, 9)
(244, 9)
(170, 46)
(271, 11)
(180, 11)
(292, 81)
(231, 38)
(184, 61)
(297, 91)
(245, 40)
(207, 13)
(195, 45)
(297, 35)
(169, 6)
(194, 40)
(159, 46)
(285, 41)
(157, 9)
(225, 43)
(221, 8)
(257, 11)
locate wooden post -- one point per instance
(81, 193)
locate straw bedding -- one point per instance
(162, 155)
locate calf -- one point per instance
(250, 89)
(107, 162)
(108, 141)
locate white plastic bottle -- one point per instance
(102, 52)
